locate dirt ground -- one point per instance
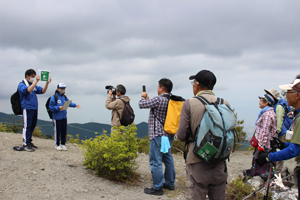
(51, 174)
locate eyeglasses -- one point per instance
(193, 82)
(286, 92)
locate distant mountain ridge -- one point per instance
(85, 131)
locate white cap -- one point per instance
(61, 85)
(292, 86)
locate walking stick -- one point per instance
(268, 182)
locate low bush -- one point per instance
(71, 139)
(38, 133)
(113, 157)
(3, 127)
(237, 189)
(143, 145)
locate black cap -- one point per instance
(205, 77)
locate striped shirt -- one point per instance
(266, 128)
(158, 105)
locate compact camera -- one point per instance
(110, 87)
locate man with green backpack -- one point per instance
(206, 151)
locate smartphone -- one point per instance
(144, 88)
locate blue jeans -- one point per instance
(156, 158)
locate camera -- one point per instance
(110, 87)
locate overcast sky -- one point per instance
(250, 45)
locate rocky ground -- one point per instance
(51, 174)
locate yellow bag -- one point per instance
(173, 114)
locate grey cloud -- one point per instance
(133, 29)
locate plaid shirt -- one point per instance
(266, 128)
(158, 105)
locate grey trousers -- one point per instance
(203, 179)
(279, 164)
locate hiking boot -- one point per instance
(33, 146)
(153, 192)
(58, 148)
(28, 148)
(64, 148)
(168, 187)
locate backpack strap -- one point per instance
(166, 95)
(124, 106)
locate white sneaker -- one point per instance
(58, 148)
(63, 147)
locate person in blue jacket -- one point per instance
(288, 149)
(28, 90)
(60, 116)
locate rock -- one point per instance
(255, 182)
(288, 195)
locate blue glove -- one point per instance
(165, 144)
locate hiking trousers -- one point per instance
(60, 131)
(279, 164)
(205, 179)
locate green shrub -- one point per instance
(237, 189)
(13, 125)
(177, 146)
(3, 127)
(143, 145)
(38, 133)
(71, 139)
(113, 157)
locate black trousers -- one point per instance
(60, 131)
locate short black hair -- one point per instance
(298, 76)
(167, 83)
(206, 87)
(121, 88)
(29, 72)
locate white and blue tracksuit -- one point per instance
(29, 104)
(59, 118)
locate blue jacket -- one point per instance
(54, 106)
(290, 150)
(29, 99)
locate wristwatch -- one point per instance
(144, 96)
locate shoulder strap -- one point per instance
(124, 102)
(55, 97)
(203, 100)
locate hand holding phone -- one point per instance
(144, 88)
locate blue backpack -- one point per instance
(287, 122)
(216, 135)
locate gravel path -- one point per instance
(51, 174)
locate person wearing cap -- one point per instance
(284, 122)
(266, 122)
(116, 105)
(60, 116)
(288, 149)
(28, 90)
(159, 139)
(202, 178)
